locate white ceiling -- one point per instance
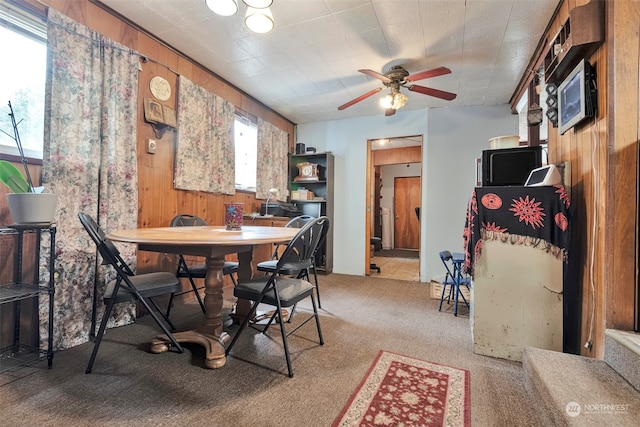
(308, 65)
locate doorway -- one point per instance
(388, 160)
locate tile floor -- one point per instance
(397, 268)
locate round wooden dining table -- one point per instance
(213, 243)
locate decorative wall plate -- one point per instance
(160, 88)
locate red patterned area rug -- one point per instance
(403, 391)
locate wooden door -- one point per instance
(406, 228)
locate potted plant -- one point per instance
(27, 204)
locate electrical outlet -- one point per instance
(151, 146)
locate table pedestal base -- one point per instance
(213, 346)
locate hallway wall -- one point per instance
(453, 138)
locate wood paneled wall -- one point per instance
(159, 202)
(394, 156)
(602, 281)
(621, 155)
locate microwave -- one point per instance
(507, 166)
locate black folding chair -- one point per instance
(129, 286)
(270, 266)
(282, 291)
(198, 271)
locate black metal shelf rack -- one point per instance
(19, 354)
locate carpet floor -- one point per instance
(360, 317)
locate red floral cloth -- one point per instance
(539, 213)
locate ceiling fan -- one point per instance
(398, 77)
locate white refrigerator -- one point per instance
(516, 242)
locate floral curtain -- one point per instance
(272, 167)
(90, 162)
(205, 157)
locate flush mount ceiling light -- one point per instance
(259, 20)
(223, 7)
(258, 4)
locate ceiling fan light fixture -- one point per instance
(399, 100)
(258, 4)
(396, 78)
(223, 7)
(386, 101)
(393, 100)
(259, 20)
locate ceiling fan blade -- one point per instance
(433, 92)
(360, 98)
(375, 75)
(429, 73)
(389, 112)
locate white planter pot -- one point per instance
(32, 208)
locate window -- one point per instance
(23, 74)
(245, 138)
(523, 109)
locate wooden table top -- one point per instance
(204, 235)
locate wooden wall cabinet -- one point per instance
(322, 202)
(579, 37)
